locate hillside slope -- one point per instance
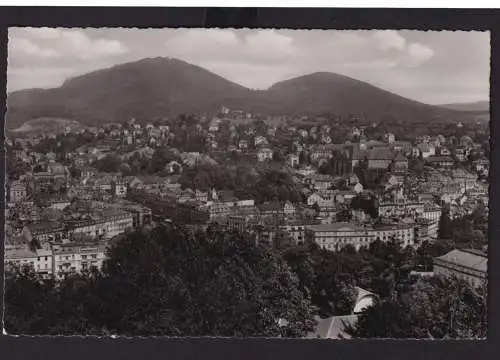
(329, 92)
(158, 87)
(143, 89)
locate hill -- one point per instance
(48, 125)
(479, 106)
(143, 89)
(329, 92)
(158, 87)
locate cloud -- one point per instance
(388, 40)
(418, 54)
(44, 33)
(82, 45)
(218, 45)
(268, 43)
(24, 47)
(70, 43)
(192, 42)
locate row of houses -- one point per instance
(59, 259)
(109, 224)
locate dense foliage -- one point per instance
(262, 184)
(432, 308)
(167, 282)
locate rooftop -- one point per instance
(340, 226)
(333, 327)
(19, 253)
(469, 258)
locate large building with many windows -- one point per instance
(469, 265)
(109, 224)
(337, 235)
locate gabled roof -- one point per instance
(400, 157)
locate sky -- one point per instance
(434, 67)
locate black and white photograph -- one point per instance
(247, 183)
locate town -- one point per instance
(285, 181)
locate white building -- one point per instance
(265, 154)
(337, 235)
(74, 258)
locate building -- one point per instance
(320, 182)
(337, 235)
(142, 215)
(380, 158)
(442, 162)
(17, 192)
(465, 178)
(400, 162)
(40, 260)
(320, 152)
(120, 188)
(292, 160)
(45, 232)
(111, 223)
(426, 230)
(58, 203)
(400, 207)
(426, 150)
(48, 178)
(468, 265)
(431, 212)
(74, 258)
(265, 154)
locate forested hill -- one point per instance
(158, 87)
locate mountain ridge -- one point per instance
(476, 106)
(159, 87)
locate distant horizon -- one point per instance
(417, 65)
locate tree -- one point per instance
(165, 281)
(278, 156)
(110, 163)
(323, 276)
(171, 279)
(27, 298)
(75, 172)
(366, 203)
(361, 170)
(445, 230)
(434, 308)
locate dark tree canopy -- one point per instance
(169, 282)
